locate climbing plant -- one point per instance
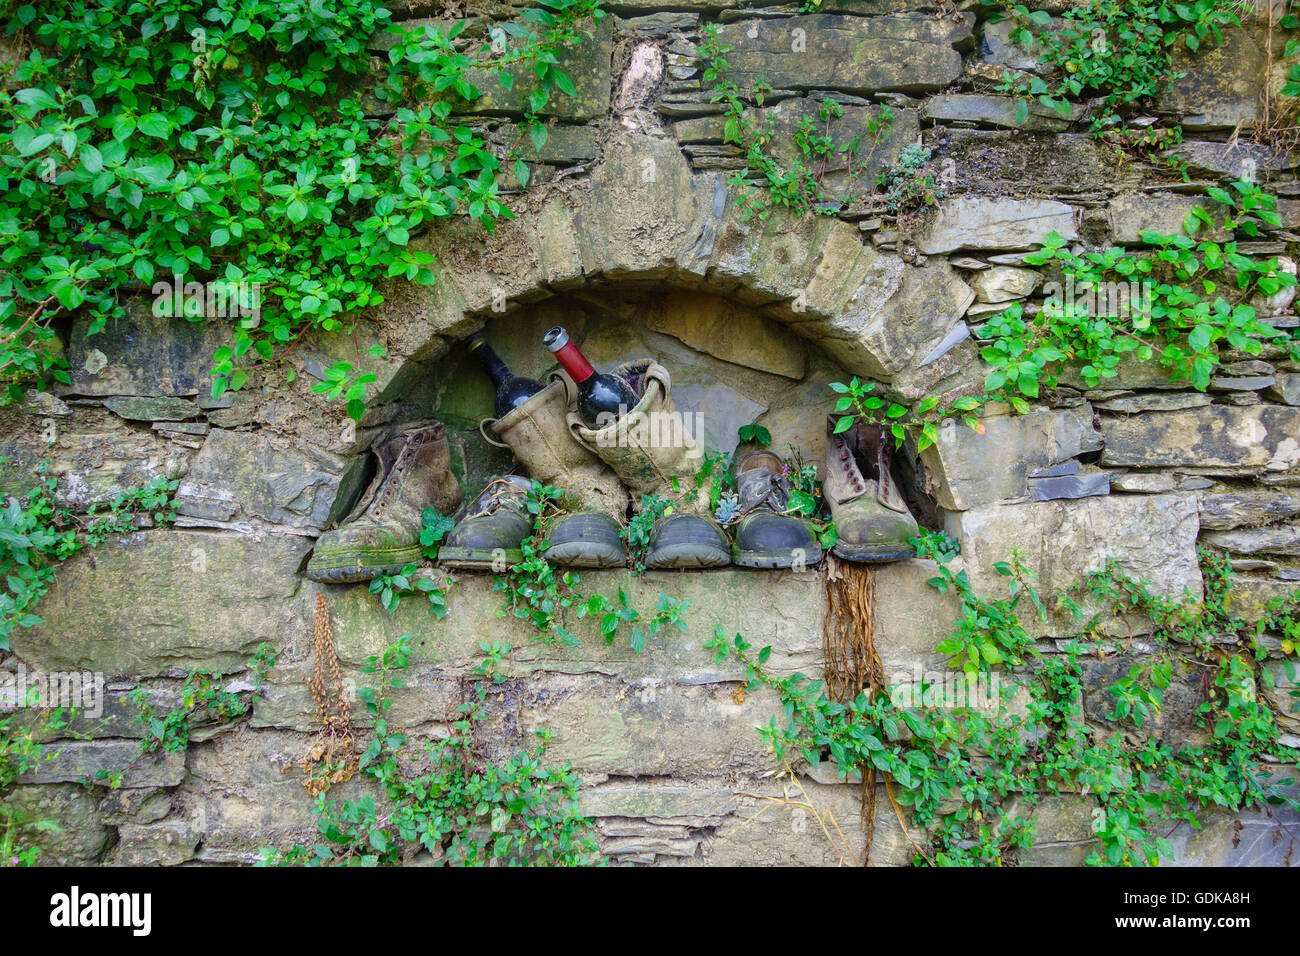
(239, 153)
(972, 773)
(464, 810)
(36, 533)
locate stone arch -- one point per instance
(644, 215)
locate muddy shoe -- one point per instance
(383, 532)
(870, 515)
(766, 538)
(650, 450)
(490, 529)
(585, 531)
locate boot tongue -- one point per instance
(509, 491)
(762, 488)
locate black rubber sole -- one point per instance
(866, 555)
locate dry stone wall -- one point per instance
(633, 234)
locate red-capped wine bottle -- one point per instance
(602, 397)
(512, 390)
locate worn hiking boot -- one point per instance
(585, 533)
(766, 537)
(870, 515)
(651, 450)
(382, 534)
(491, 528)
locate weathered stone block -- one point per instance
(1248, 439)
(143, 354)
(1221, 511)
(158, 601)
(240, 475)
(898, 314)
(965, 469)
(853, 54)
(729, 332)
(586, 63)
(78, 761)
(1152, 537)
(81, 838)
(975, 222)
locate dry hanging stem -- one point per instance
(851, 662)
(333, 757)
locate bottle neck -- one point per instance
(492, 363)
(574, 362)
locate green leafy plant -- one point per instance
(391, 588)
(1121, 50)
(204, 701)
(464, 810)
(36, 533)
(21, 750)
(763, 183)
(232, 153)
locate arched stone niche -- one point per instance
(645, 219)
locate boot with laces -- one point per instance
(765, 536)
(491, 528)
(382, 534)
(870, 514)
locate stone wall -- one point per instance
(634, 239)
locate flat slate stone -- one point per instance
(1250, 439)
(1070, 486)
(141, 409)
(911, 53)
(977, 222)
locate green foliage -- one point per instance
(434, 528)
(613, 615)
(204, 701)
(972, 774)
(21, 751)
(391, 588)
(534, 590)
(36, 534)
(859, 401)
(162, 145)
(640, 529)
(1200, 300)
(464, 810)
(988, 633)
(763, 183)
(757, 434)
(910, 183)
(1120, 50)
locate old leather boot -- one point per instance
(650, 450)
(585, 534)
(490, 529)
(382, 534)
(866, 505)
(766, 538)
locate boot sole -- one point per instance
(356, 573)
(753, 559)
(584, 556)
(687, 556)
(471, 559)
(867, 555)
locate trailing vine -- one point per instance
(465, 811)
(996, 763)
(153, 148)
